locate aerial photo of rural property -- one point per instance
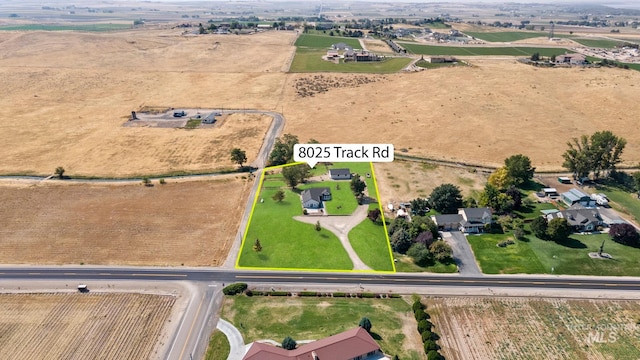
(319, 180)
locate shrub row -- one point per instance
(365, 295)
(233, 289)
(267, 293)
(425, 328)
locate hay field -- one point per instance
(515, 328)
(82, 326)
(480, 114)
(188, 223)
(66, 95)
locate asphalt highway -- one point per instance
(85, 275)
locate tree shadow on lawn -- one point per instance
(263, 257)
(324, 236)
(572, 243)
(375, 336)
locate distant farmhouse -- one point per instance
(349, 54)
(349, 345)
(571, 59)
(315, 197)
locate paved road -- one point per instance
(340, 226)
(462, 253)
(392, 281)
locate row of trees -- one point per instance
(425, 328)
(597, 154)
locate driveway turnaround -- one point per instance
(235, 339)
(340, 226)
(462, 253)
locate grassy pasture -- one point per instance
(598, 43)
(506, 36)
(481, 51)
(324, 42)
(368, 239)
(219, 347)
(84, 27)
(305, 318)
(310, 60)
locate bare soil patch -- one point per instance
(188, 223)
(377, 46)
(402, 181)
(515, 328)
(82, 326)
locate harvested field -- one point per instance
(516, 328)
(82, 326)
(480, 114)
(190, 223)
(66, 95)
(402, 181)
(377, 46)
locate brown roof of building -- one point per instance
(344, 346)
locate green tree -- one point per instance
(539, 227)
(441, 251)
(558, 229)
(429, 346)
(419, 206)
(420, 224)
(505, 222)
(519, 168)
(598, 153)
(500, 202)
(59, 172)
(238, 156)
(257, 246)
(296, 174)
(318, 227)
(636, 180)
(201, 29)
(535, 56)
(424, 325)
(420, 254)
(434, 355)
(446, 199)
(282, 152)
(146, 181)
(374, 215)
(278, 196)
(358, 186)
(365, 323)
(400, 241)
(577, 158)
(288, 343)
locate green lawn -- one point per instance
(369, 240)
(533, 211)
(324, 41)
(342, 202)
(513, 259)
(309, 318)
(287, 243)
(597, 43)
(481, 51)
(219, 347)
(310, 60)
(504, 36)
(86, 27)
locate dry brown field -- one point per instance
(402, 181)
(517, 328)
(66, 95)
(82, 326)
(64, 98)
(187, 223)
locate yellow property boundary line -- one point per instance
(253, 207)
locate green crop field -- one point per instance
(325, 42)
(86, 27)
(506, 36)
(261, 317)
(598, 43)
(481, 51)
(310, 60)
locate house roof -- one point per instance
(339, 172)
(475, 213)
(581, 217)
(315, 194)
(447, 219)
(575, 195)
(344, 346)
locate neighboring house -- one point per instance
(474, 219)
(447, 222)
(349, 345)
(581, 219)
(332, 54)
(575, 196)
(572, 59)
(441, 59)
(340, 174)
(314, 197)
(341, 46)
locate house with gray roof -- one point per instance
(580, 218)
(474, 219)
(340, 174)
(447, 222)
(314, 197)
